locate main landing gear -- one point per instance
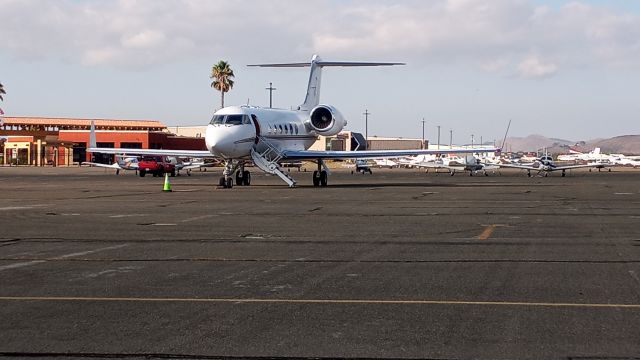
(243, 177)
(320, 176)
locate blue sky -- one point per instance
(566, 69)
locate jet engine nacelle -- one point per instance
(326, 120)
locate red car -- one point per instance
(156, 165)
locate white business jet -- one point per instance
(268, 137)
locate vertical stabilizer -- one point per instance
(92, 136)
(312, 99)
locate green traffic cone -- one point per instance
(167, 185)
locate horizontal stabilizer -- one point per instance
(328, 63)
(312, 99)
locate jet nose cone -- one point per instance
(215, 140)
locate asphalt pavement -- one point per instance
(397, 264)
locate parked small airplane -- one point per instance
(122, 163)
(267, 136)
(125, 162)
(625, 161)
(468, 163)
(385, 163)
(545, 165)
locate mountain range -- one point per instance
(625, 144)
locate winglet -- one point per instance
(92, 136)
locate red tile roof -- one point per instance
(70, 122)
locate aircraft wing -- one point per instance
(161, 152)
(194, 166)
(486, 166)
(315, 154)
(528, 167)
(430, 165)
(596, 165)
(109, 166)
(514, 166)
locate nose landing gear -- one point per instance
(243, 177)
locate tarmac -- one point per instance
(397, 264)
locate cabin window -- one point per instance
(296, 127)
(280, 127)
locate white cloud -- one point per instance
(533, 67)
(493, 35)
(99, 56)
(144, 39)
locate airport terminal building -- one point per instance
(40, 141)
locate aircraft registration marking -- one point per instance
(320, 301)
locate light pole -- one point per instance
(450, 138)
(366, 114)
(471, 140)
(438, 137)
(270, 88)
(423, 133)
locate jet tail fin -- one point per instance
(504, 139)
(312, 99)
(92, 136)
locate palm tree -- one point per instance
(2, 92)
(222, 76)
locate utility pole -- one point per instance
(423, 133)
(438, 137)
(366, 114)
(270, 88)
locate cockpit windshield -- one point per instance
(235, 119)
(217, 120)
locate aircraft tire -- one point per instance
(229, 183)
(323, 178)
(222, 182)
(142, 173)
(316, 178)
(247, 177)
(239, 179)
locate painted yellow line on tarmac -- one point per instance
(487, 232)
(318, 301)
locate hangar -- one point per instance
(39, 141)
